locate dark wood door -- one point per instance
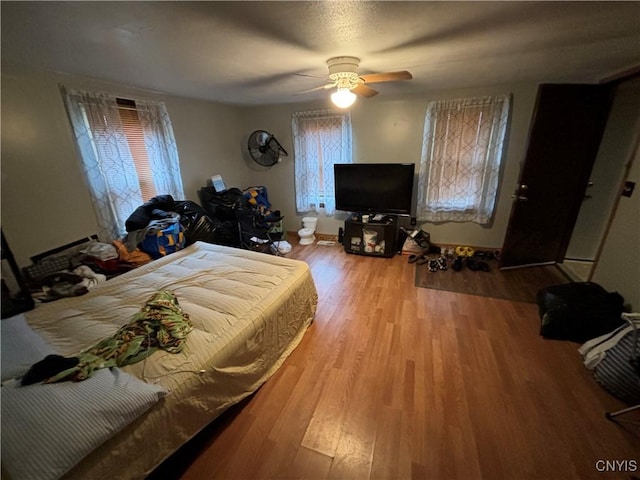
(566, 128)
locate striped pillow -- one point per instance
(21, 347)
(48, 428)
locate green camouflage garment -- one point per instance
(160, 324)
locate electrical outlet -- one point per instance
(628, 188)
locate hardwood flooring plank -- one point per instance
(325, 426)
(354, 452)
(310, 465)
(386, 453)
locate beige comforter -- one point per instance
(250, 310)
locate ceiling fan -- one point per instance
(343, 73)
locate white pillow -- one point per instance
(48, 428)
(21, 347)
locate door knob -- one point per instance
(518, 194)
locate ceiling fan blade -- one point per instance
(364, 91)
(386, 77)
(307, 75)
(321, 87)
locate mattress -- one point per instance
(249, 312)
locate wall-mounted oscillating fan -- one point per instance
(265, 149)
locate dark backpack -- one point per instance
(578, 311)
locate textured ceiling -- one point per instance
(265, 52)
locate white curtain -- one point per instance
(321, 139)
(107, 161)
(461, 159)
(161, 148)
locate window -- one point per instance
(135, 139)
(461, 157)
(128, 154)
(320, 139)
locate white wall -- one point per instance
(208, 143)
(608, 169)
(45, 202)
(390, 129)
(618, 267)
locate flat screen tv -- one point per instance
(374, 187)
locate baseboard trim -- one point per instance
(319, 236)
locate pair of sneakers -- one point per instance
(487, 255)
(438, 264)
(462, 251)
(472, 264)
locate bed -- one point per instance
(249, 311)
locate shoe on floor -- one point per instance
(457, 264)
(473, 264)
(463, 251)
(422, 260)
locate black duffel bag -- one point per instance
(578, 311)
(222, 205)
(197, 224)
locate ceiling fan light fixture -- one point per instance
(343, 98)
(343, 75)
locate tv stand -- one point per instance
(373, 238)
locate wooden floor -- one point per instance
(397, 382)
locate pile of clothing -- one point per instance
(65, 284)
(163, 225)
(159, 325)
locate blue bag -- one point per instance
(163, 237)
